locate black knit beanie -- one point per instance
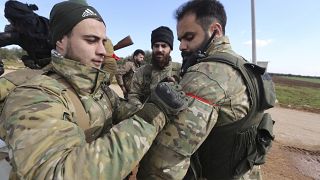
(65, 15)
(162, 34)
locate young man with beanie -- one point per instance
(61, 124)
(161, 68)
(126, 71)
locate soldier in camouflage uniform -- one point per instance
(217, 92)
(110, 64)
(148, 76)
(40, 121)
(126, 71)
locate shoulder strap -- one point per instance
(21, 76)
(244, 68)
(81, 115)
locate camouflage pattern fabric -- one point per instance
(217, 97)
(146, 78)
(45, 141)
(110, 64)
(254, 174)
(125, 73)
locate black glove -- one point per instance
(169, 97)
(166, 100)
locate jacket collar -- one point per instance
(221, 44)
(85, 80)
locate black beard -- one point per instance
(190, 58)
(160, 64)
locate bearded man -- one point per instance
(161, 68)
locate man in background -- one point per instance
(146, 78)
(126, 71)
(110, 61)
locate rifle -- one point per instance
(127, 41)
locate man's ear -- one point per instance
(216, 27)
(61, 45)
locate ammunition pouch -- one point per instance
(252, 146)
(268, 98)
(264, 138)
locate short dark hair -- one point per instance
(206, 12)
(138, 51)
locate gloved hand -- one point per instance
(166, 100)
(169, 97)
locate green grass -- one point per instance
(313, 80)
(299, 97)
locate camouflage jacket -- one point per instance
(45, 141)
(218, 97)
(147, 77)
(125, 73)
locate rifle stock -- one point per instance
(127, 41)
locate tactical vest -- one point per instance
(231, 150)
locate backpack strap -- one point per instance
(83, 119)
(22, 75)
(241, 65)
(81, 115)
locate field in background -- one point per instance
(298, 92)
(307, 79)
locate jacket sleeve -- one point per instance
(123, 69)
(136, 87)
(122, 109)
(45, 143)
(208, 88)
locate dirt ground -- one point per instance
(296, 150)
